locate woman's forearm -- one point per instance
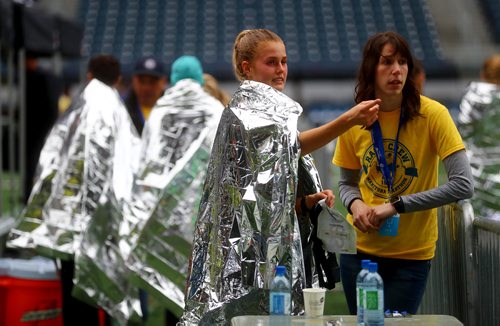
(315, 138)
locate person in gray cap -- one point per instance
(149, 81)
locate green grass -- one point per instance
(11, 194)
(156, 313)
(335, 303)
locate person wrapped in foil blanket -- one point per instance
(89, 153)
(247, 222)
(478, 124)
(157, 228)
(88, 161)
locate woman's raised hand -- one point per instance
(364, 113)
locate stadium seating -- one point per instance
(324, 38)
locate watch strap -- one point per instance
(398, 204)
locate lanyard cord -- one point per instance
(378, 144)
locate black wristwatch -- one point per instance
(398, 204)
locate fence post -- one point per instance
(470, 262)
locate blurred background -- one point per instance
(324, 39)
(45, 46)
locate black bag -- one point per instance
(325, 263)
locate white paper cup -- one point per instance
(314, 301)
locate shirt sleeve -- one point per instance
(445, 133)
(348, 187)
(345, 153)
(459, 186)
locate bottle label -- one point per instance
(361, 298)
(280, 303)
(361, 302)
(374, 307)
(374, 300)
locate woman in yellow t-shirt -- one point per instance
(389, 173)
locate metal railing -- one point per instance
(11, 144)
(465, 273)
(487, 267)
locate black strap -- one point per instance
(326, 264)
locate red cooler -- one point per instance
(30, 293)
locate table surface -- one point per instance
(428, 320)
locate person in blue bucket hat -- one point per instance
(186, 66)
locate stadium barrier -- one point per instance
(464, 277)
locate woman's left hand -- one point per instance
(313, 199)
(381, 213)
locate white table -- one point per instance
(427, 320)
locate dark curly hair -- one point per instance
(105, 68)
(365, 86)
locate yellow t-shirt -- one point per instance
(422, 142)
(146, 111)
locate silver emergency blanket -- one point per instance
(158, 224)
(52, 234)
(86, 166)
(101, 276)
(247, 222)
(478, 123)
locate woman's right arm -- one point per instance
(364, 114)
(352, 200)
(348, 187)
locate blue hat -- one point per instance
(149, 66)
(184, 67)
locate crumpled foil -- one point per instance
(247, 222)
(86, 166)
(35, 227)
(101, 276)
(158, 224)
(478, 122)
(309, 182)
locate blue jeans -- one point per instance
(404, 281)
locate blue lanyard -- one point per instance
(388, 172)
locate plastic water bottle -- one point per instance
(373, 297)
(360, 288)
(279, 298)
